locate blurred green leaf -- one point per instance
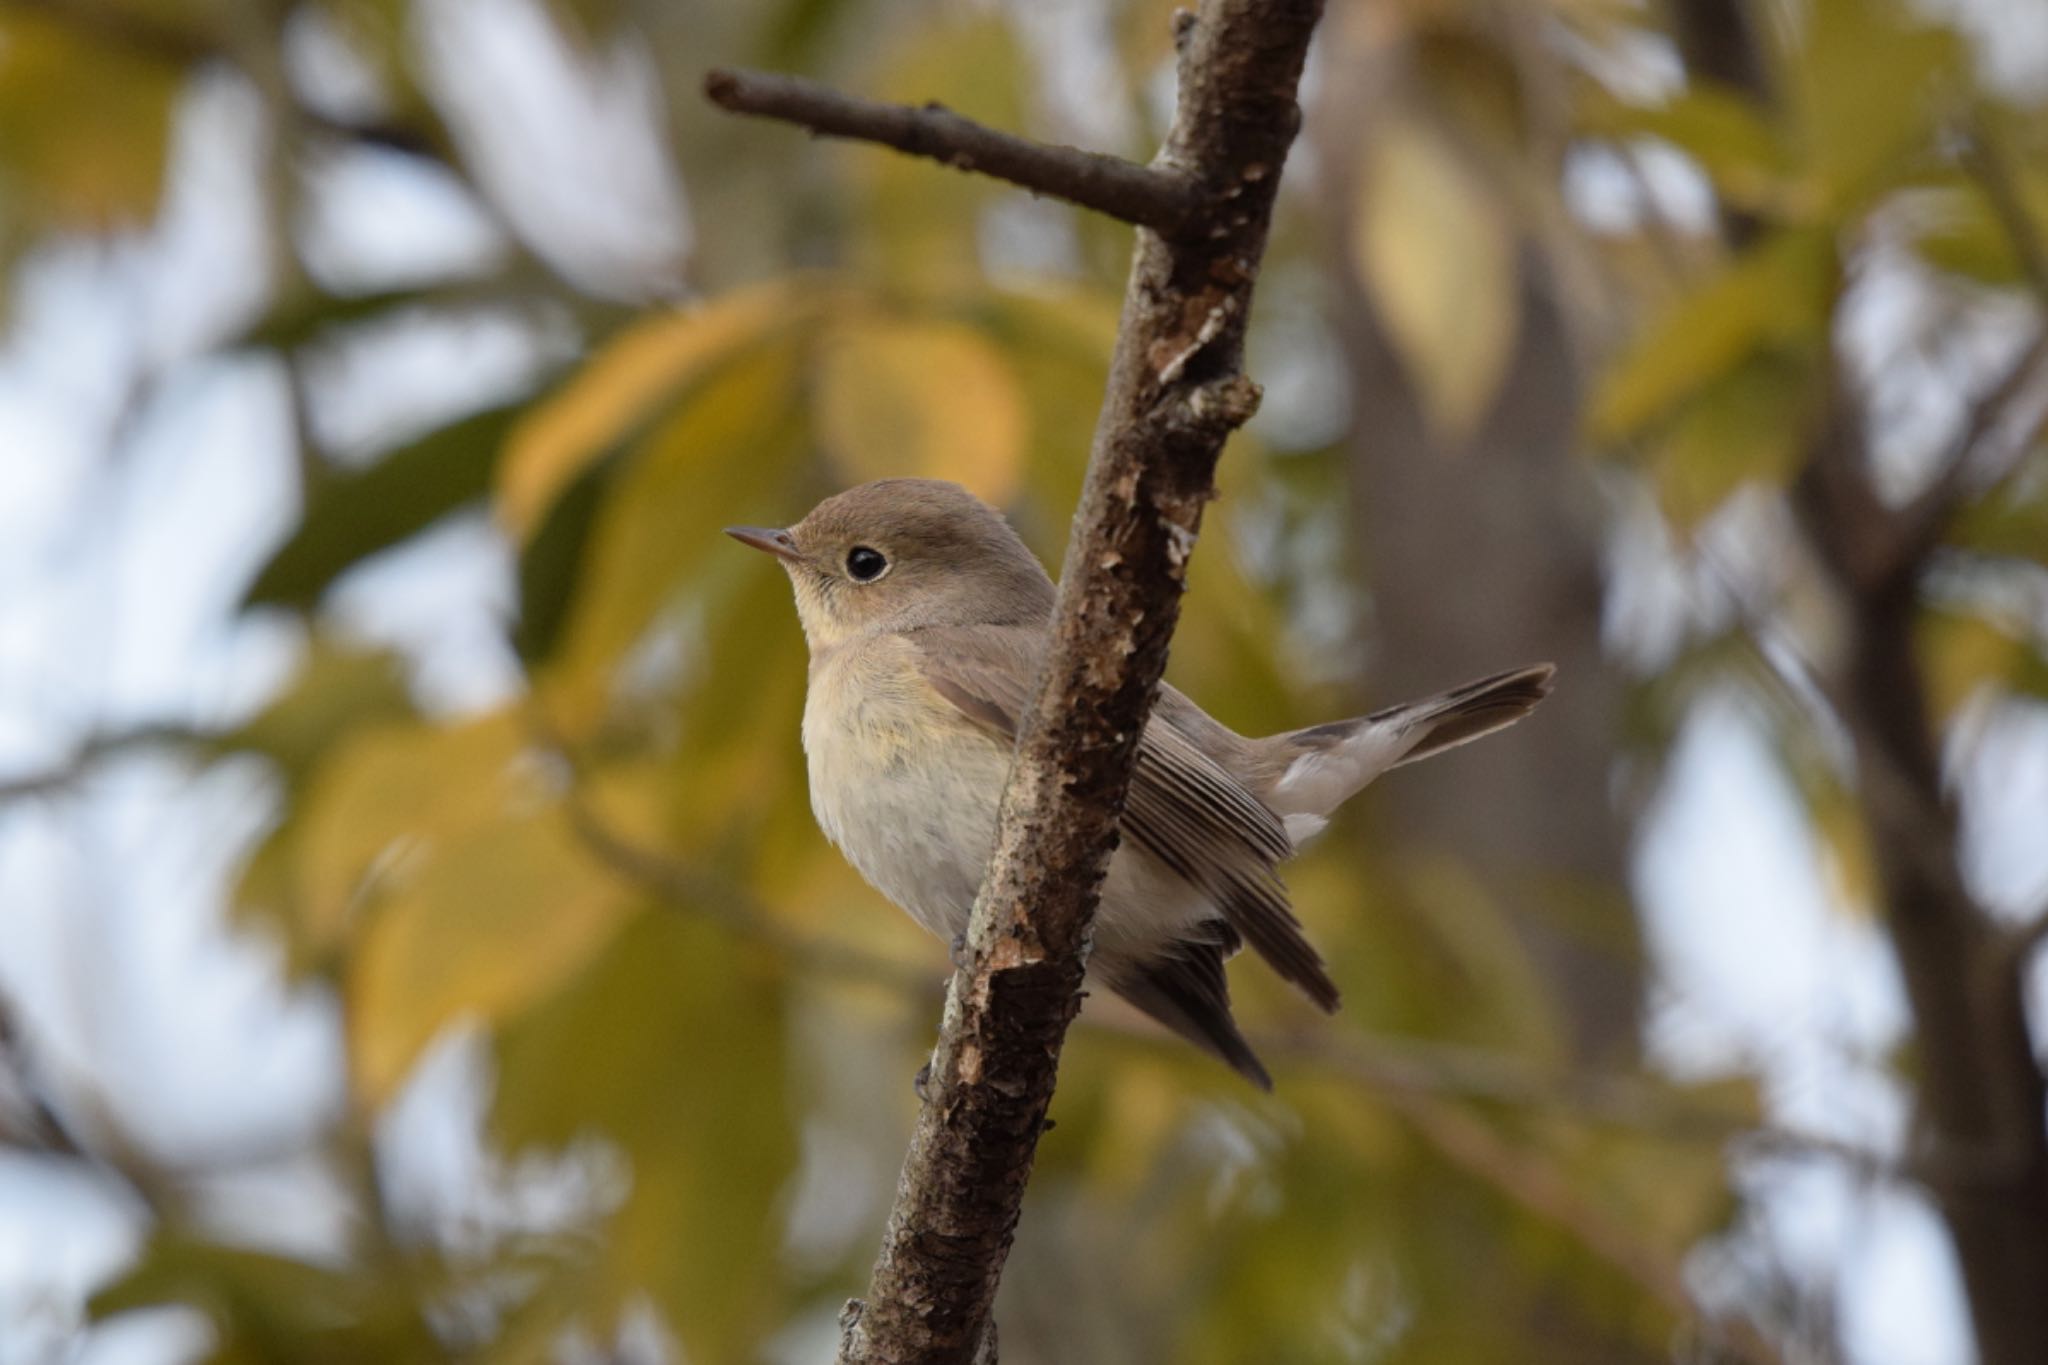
(1775, 296)
(83, 125)
(307, 313)
(918, 224)
(266, 1307)
(392, 791)
(1867, 85)
(339, 688)
(2013, 518)
(1057, 341)
(709, 465)
(1959, 232)
(353, 514)
(671, 1045)
(1750, 425)
(551, 564)
(1731, 139)
(1455, 908)
(1962, 653)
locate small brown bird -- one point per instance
(926, 617)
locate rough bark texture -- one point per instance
(1176, 391)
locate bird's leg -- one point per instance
(956, 952)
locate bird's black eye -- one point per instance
(864, 565)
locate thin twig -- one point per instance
(92, 752)
(1142, 195)
(1963, 474)
(127, 27)
(1532, 1179)
(684, 885)
(1983, 160)
(1378, 1063)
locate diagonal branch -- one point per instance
(1985, 161)
(1122, 189)
(1176, 390)
(98, 749)
(1963, 474)
(1981, 1091)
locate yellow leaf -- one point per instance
(394, 794)
(339, 688)
(625, 385)
(83, 125)
(494, 922)
(1749, 425)
(1775, 295)
(1724, 132)
(1962, 654)
(911, 396)
(672, 1044)
(1865, 89)
(1957, 229)
(717, 460)
(1436, 255)
(2013, 518)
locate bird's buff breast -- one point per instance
(901, 783)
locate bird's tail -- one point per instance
(1318, 769)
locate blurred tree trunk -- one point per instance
(1482, 557)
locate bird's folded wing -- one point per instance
(1183, 807)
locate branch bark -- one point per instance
(1176, 390)
(1146, 196)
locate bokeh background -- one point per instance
(414, 942)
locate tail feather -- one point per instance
(1185, 989)
(1465, 713)
(1318, 769)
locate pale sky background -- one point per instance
(143, 480)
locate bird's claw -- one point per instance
(921, 1083)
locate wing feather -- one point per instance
(1183, 808)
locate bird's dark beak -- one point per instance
(777, 543)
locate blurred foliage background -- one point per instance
(406, 356)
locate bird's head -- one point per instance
(902, 553)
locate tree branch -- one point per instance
(1142, 195)
(686, 885)
(98, 749)
(1176, 391)
(1380, 1065)
(1981, 1094)
(1983, 159)
(1532, 1179)
(1962, 475)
